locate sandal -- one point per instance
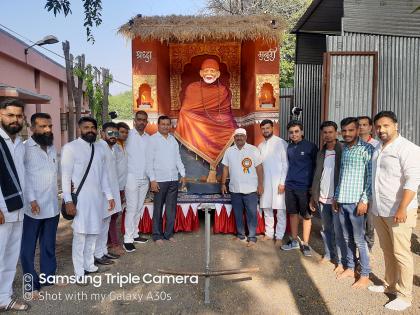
(14, 305)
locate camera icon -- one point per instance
(27, 286)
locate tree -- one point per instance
(78, 91)
(70, 88)
(93, 13)
(290, 10)
(122, 104)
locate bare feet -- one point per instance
(172, 240)
(116, 250)
(348, 273)
(239, 239)
(363, 282)
(159, 242)
(279, 243)
(250, 244)
(339, 269)
(266, 238)
(35, 295)
(323, 261)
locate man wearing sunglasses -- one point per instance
(113, 156)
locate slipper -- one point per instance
(15, 306)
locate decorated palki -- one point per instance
(210, 75)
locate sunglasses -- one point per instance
(111, 133)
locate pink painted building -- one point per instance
(39, 74)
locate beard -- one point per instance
(267, 136)
(43, 139)
(111, 141)
(209, 79)
(89, 137)
(12, 130)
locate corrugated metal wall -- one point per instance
(310, 48)
(308, 94)
(286, 101)
(386, 17)
(398, 78)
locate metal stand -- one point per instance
(207, 208)
(207, 247)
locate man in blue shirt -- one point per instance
(301, 155)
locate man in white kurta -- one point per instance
(11, 114)
(113, 156)
(274, 158)
(87, 223)
(137, 184)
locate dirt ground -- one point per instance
(287, 282)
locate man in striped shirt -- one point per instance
(42, 213)
(365, 133)
(351, 198)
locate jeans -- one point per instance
(249, 202)
(370, 230)
(353, 227)
(167, 195)
(332, 235)
(46, 231)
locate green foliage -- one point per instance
(290, 10)
(122, 104)
(93, 90)
(93, 13)
(287, 61)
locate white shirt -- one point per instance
(394, 168)
(275, 164)
(75, 158)
(327, 178)
(373, 142)
(242, 164)
(164, 159)
(136, 147)
(122, 165)
(41, 179)
(17, 150)
(113, 157)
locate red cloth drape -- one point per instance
(187, 223)
(223, 223)
(208, 106)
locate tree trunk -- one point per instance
(78, 91)
(105, 87)
(70, 85)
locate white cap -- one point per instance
(239, 131)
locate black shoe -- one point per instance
(103, 261)
(112, 256)
(306, 251)
(140, 240)
(129, 247)
(90, 272)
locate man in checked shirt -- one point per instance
(351, 198)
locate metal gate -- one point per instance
(350, 84)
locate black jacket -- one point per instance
(320, 157)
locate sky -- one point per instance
(110, 50)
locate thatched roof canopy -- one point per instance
(176, 28)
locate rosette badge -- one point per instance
(246, 164)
